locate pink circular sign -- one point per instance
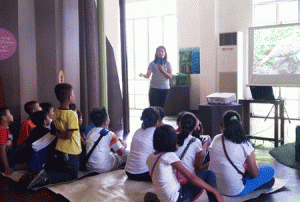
(8, 44)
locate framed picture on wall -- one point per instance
(189, 60)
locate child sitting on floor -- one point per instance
(6, 118)
(49, 109)
(27, 126)
(102, 159)
(63, 163)
(161, 165)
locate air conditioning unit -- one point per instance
(230, 63)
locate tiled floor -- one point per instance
(289, 193)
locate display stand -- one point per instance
(279, 114)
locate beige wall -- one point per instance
(196, 28)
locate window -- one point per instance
(271, 12)
(149, 24)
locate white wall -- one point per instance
(196, 28)
(232, 16)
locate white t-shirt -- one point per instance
(163, 176)
(102, 159)
(189, 157)
(141, 147)
(229, 181)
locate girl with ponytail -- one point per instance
(229, 153)
(142, 146)
(193, 157)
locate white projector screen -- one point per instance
(274, 55)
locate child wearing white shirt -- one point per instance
(162, 164)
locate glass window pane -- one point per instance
(130, 48)
(265, 14)
(131, 101)
(131, 84)
(155, 8)
(141, 45)
(170, 41)
(142, 101)
(140, 9)
(129, 10)
(155, 35)
(288, 12)
(142, 87)
(169, 7)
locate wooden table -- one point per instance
(279, 114)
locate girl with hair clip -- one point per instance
(142, 146)
(189, 148)
(161, 71)
(162, 165)
(230, 153)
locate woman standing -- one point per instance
(161, 71)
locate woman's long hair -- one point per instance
(159, 60)
(149, 117)
(188, 123)
(233, 128)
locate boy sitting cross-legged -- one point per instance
(63, 163)
(102, 159)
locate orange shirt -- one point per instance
(25, 130)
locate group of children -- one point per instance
(181, 163)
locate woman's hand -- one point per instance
(149, 72)
(161, 68)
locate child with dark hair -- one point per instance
(63, 163)
(162, 115)
(161, 165)
(73, 106)
(179, 116)
(142, 146)
(49, 109)
(190, 149)
(42, 121)
(229, 152)
(6, 160)
(27, 126)
(102, 159)
(37, 159)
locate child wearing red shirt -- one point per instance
(27, 126)
(6, 118)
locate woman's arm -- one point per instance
(149, 72)
(252, 165)
(167, 74)
(196, 180)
